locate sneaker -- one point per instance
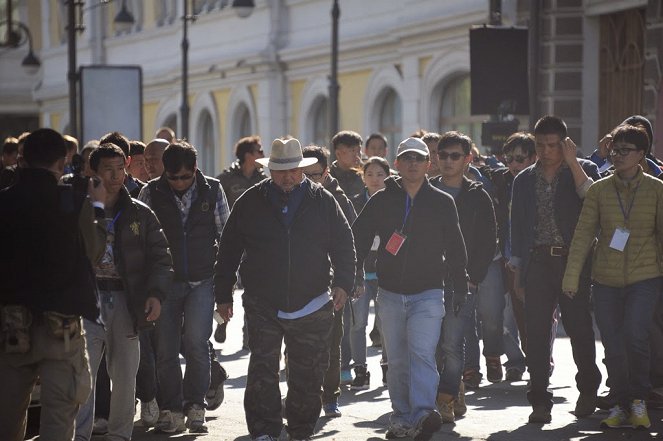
(215, 393)
(346, 377)
(460, 408)
(446, 408)
(220, 333)
(472, 378)
(384, 367)
(616, 419)
(513, 374)
(170, 422)
(331, 410)
(397, 431)
(362, 379)
(540, 415)
(494, 369)
(149, 412)
(639, 418)
(427, 427)
(586, 405)
(100, 426)
(195, 419)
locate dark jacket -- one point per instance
(370, 263)
(477, 222)
(349, 180)
(234, 182)
(502, 180)
(285, 267)
(331, 185)
(141, 255)
(45, 254)
(194, 245)
(567, 205)
(433, 239)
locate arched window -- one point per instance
(390, 120)
(207, 144)
(320, 122)
(455, 110)
(243, 122)
(171, 122)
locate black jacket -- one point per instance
(234, 182)
(349, 180)
(285, 267)
(194, 245)
(433, 239)
(45, 255)
(502, 180)
(141, 255)
(331, 185)
(477, 222)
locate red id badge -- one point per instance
(395, 242)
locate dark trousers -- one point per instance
(656, 345)
(307, 342)
(331, 387)
(543, 292)
(146, 379)
(103, 392)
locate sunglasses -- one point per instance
(623, 151)
(412, 157)
(314, 176)
(455, 156)
(519, 159)
(179, 177)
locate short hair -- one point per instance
(105, 150)
(166, 129)
(43, 148)
(431, 138)
(179, 154)
(246, 145)
(118, 139)
(136, 148)
(10, 146)
(71, 143)
(452, 138)
(347, 137)
(635, 135)
(377, 160)
(551, 125)
(89, 147)
(419, 133)
(320, 153)
(376, 135)
(524, 140)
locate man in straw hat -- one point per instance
(287, 232)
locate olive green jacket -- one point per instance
(601, 215)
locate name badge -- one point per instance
(619, 239)
(376, 243)
(395, 243)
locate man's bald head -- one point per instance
(153, 157)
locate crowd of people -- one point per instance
(117, 256)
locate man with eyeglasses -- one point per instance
(477, 222)
(545, 207)
(192, 209)
(420, 242)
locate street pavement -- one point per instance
(495, 411)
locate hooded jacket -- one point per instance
(434, 244)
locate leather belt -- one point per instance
(110, 284)
(553, 251)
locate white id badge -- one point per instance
(619, 239)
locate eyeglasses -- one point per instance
(519, 159)
(455, 156)
(623, 151)
(178, 177)
(412, 157)
(314, 176)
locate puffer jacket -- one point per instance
(641, 258)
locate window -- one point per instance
(389, 123)
(455, 110)
(243, 122)
(206, 144)
(320, 122)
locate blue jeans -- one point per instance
(490, 313)
(624, 316)
(358, 327)
(196, 306)
(410, 332)
(450, 353)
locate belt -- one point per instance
(110, 284)
(548, 250)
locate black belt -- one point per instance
(548, 250)
(110, 284)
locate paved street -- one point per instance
(496, 411)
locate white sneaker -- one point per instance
(170, 422)
(100, 426)
(195, 419)
(149, 412)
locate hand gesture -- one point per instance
(225, 310)
(339, 296)
(152, 309)
(569, 150)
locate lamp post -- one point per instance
(333, 77)
(14, 39)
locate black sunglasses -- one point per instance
(519, 159)
(314, 175)
(179, 177)
(623, 151)
(455, 156)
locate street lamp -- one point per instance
(124, 20)
(333, 77)
(243, 8)
(30, 63)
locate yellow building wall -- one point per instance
(54, 23)
(423, 63)
(221, 98)
(296, 91)
(149, 16)
(149, 120)
(56, 119)
(351, 99)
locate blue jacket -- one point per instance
(567, 206)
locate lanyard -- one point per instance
(408, 206)
(111, 224)
(626, 213)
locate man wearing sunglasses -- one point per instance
(192, 209)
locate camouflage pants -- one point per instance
(307, 342)
(331, 388)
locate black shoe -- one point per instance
(586, 405)
(215, 393)
(606, 402)
(472, 378)
(220, 333)
(362, 379)
(384, 367)
(429, 426)
(514, 374)
(540, 415)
